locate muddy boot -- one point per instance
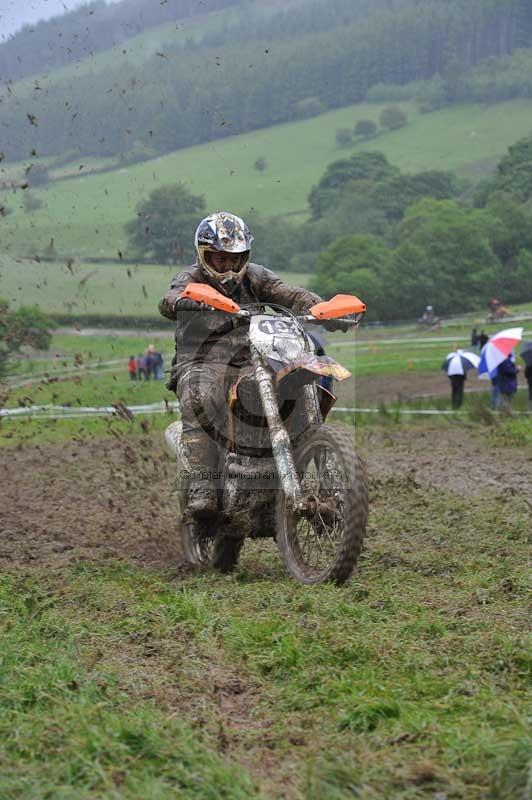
(202, 497)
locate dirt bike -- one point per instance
(284, 472)
(497, 313)
(430, 322)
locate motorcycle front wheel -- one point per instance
(323, 541)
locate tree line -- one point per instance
(183, 97)
(25, 327)
(98, 26)
(492, 81)
(399, 241)
(91, 29)
(416, 240)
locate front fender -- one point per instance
(319, 365)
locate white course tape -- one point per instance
(68, 412)
(59, 412)
(423, 411)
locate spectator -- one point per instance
(319, 347)
(132, 368)
(495, 391)
(155, 363)
(482, 339)
(142, 367)
(507, 375)
(159, 366)
(150, 362)
(474, 338)
(528, 376)
(457, 390)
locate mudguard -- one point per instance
(319, 365)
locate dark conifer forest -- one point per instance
(266, 64)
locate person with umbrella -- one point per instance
(456, 366)
(526, 355)
(494, 353)
(315, 335)
(507, 372)
(495, 390)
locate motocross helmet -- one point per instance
(223, 232)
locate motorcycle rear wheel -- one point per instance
(324, 543)
(218, 552)
(205, 545)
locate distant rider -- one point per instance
(211, 345)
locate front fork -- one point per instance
(281, 445)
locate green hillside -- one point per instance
(134, 50)
(138, 49)
(85, 216)
(81, 290)
(262, 65)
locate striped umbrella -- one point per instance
(497, 350)
(459, 362)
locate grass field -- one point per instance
(378, 682)
(83, 289)
(411, 682)
(371, 351)
(126, 675)
(15, 171)
(90, 370)
(85, 217)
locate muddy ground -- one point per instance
(98, 501)
(374, 389)
(108, 499)
(88, 500)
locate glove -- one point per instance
(186, 305)
(217, 321)
(335, 325)
(202, 316)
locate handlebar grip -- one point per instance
(344, 321)
(349, 321)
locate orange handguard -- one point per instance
(340, 306)
(203, 293)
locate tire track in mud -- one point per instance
(116, 499)
(375, 389)
(99, 500)
(456, 459)
(111, 499)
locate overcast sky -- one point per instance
(16, 13)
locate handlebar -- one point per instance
(350, 322)
(323, 312)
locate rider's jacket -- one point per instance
(215, 334)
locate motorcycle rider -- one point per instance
(211, 345)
